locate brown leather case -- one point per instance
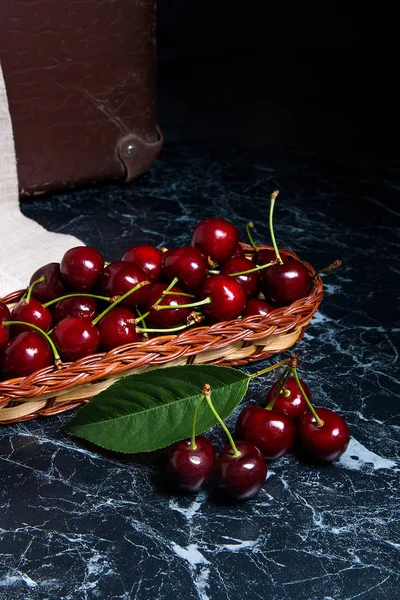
(80, 80)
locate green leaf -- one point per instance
(151, 410)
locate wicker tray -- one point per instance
(234, 343)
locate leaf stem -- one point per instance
(274, 196)
(207, 394)
(193, 445)
(335, 265)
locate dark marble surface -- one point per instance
(77, 524)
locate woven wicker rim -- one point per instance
(232, 343)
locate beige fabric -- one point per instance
(24, 244)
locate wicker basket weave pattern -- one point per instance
(233, 343)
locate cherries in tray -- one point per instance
(84, 305)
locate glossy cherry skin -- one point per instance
(4, 312)
(28, 352)
(228, 298)
(238, 252)
(284, 284)
(188, 264)
(33, 312)
(147, 258)
(116, 330)
(81, 267)
(290, 400)
(273, 432)
(170, 317)
(52, 287)
(240, 477)
(190, 469)
(119, 277)
(83, 307)
(328, 442)
(256, 306)
(75, 338)
(248, 281)
(4, 331)
(216, 239)
(4, 335)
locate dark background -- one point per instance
(301, 75)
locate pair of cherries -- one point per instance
(264, 434)
(289, 417)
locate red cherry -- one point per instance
(290, 399)
(83, 307)
(170, 317)
(4, 331)
(4, 335)
(119, 277)
(240, 477)
(31, 311)
(228, 298)
(256, 306)
(116, 330)
(75, 338)
(147, 258)
(188, 264)
(81, 267)
(238, 252)
(190, 469)
(284, 284)
(26, 353)
(264, 256)
(53, 286)
(4, 312)
(238, 265)
(273, 432)
(216, 238)
(326, 442)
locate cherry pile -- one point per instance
(84, 305)
(263, 434)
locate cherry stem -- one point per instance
(191, 305)
(179, 294)
(284, 378)
(207, 394)
(271, 368)
(274, 196)
(213, 272)
(335, 265)
(157, 302)
(57, 359)
(193, 444)
(30, 288)
(310, 406)
(257, 268)
(76, 296)
(249, 225)
(118, 300)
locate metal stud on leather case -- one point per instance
(80, 80)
